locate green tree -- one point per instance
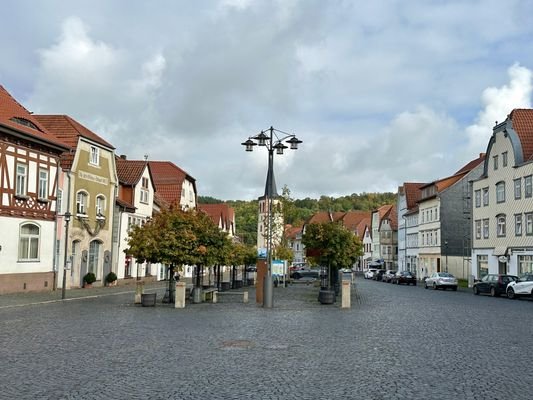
(332, 245)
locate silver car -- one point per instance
(522, 287)
(441, 280)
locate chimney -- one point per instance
(123, 156)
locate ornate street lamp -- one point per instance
(66, 216)
(272, 141)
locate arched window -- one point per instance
(82, 200)
(500, 192)
(29, 242)
(94, 256)
(500, 225)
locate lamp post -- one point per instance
(273, 141)
(446, 253)
(67, 216)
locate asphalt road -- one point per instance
(396, 342)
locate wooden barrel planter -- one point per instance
(148, 299)
(326, 296)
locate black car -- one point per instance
(387, 277)
(494, 284)
(378, 275)
(404, 277)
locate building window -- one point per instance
(500, 192)
(59, 201)
(478, 229)
(500, 225)
(495, 162)
(95, 156)
(477, 196)
(29, 242)
(529, 224)
(43, 184)
(486, 228)
(94, 253)
(525, 265)
(528, 186)
(482, 266)
(517, 188)
(144, 191)
(100, 206)
(518, 224)
(504, 159)
(485, 197)
(21, 180)
(81, 203)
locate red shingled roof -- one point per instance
(522, 120)
(412, 193)
(15, 116)
(221, 214)
(129, 172)
(351, 219)
(472, 164)
(168, 180)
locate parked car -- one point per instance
(305, 273)
(441, 280)
(522, 287)
(404, 277)
(251, 268)
(387, 276)
(369, 273)
(378, 275)
(494, 284)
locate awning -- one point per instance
(499, 251)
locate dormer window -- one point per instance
(95, 156)
(25, 122)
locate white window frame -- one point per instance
(478, 228)
(495, 162)
(518, 224)
(82, 202)
(94, 158)
(43, 184)
(477, 197)
(504, 159)
(59, 201)
(485, 196)
(528, 186)
(529, 223)
(500, 192)
(100, 205)
(501, 224)
(485, 228)
(29, 251)
(518, 188)
(21, 180)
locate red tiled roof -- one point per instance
(472, 164)
(351, 219)
(11, 109)
(220, 214)
(129, 172)
(412, 193)
(125, 204)
(292, 231)
(168, 180)
(383, 210)
(522, 120)
(69, 130)
(319, 218)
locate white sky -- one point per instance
(380, 92)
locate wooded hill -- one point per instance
(296, 211)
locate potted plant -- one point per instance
(111, 279)
(89, 279)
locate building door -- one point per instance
(438, 264)
(502, 267)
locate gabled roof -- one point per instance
(68, 130)
(124, 204)
(445, 183)
(14, 116)
(522, 122)
(412, 193)
(221, 214)
(129, 172)
(352, 219)
(168, 180)
(325, 216)
(392, 216)
(292, 231)
(383, 210)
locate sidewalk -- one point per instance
(29, 298)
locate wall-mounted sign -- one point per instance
(502, 259)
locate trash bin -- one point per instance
(326, 296)
(225, 286)
(148, 299)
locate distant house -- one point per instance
(444, 228)
(293, 234)
(173, 185)
(502, 220)
(384, 236)
(134, 206)
(29, 170)
(88, 187)
(222, 216)
(407, 209)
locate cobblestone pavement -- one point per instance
(396, 342)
